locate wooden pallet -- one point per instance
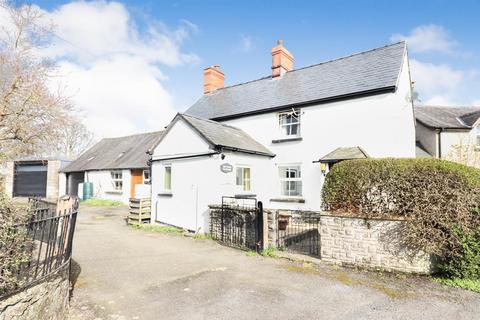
(139, 211)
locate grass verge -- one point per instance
(468, 284)
(157, 228)
(101, 203)
(269, 252)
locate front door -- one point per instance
(136, 178)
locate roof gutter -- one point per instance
(312, 102)
(221, 148)
(203, 154)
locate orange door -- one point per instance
(136, 177)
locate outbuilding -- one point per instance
(34, 177)
(117, 168)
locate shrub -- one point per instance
(439, 199)
(15, 246)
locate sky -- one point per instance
(129, 66)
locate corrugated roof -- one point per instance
(340, 154)
(128, 152)
(443, 117)
(369, 71)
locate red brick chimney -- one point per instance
(282, 60)
(213, 79)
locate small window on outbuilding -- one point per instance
(117, 180)
(167, 178)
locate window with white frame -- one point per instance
(289, 123)
(117, 180)
(290, 180)
(244, 178)
(146, 176)
(167, 177)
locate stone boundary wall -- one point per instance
(370, 243)
(47, 300)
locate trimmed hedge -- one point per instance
(439, 199)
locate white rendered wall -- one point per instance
(62, 184)
(181, 139)
(103, 187)
(199, 182)
(428, 137)
(383, 125)
(450, 139)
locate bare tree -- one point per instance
(72, 140)
(32, 116)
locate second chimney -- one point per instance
(213, 79)
(282, 60)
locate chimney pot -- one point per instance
(282, 60)
(213, 79)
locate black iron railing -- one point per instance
(49, 233)
(299, 232)
(238, 223)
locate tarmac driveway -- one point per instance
(122, 273)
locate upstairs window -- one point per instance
(290, 181)
(289, 123)
(117, 180)
(146, 176)
(243, 178)
(167, 178)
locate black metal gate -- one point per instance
(299, 232)
(238, 223)
(30, 179)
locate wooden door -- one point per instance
(136, 177)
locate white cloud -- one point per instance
(112, 68)
(435, 79)
(246, 43)
(428, 38)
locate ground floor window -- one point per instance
(167, 177)
(243, 178)
(290, 180)
(146, 176)
(117, 180)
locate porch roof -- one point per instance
(341, 153)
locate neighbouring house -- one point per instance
(117, 168)
(274, 138)
(34, 177)
(451, 133)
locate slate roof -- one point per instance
(371, 71)
(441, 117)
(340, 154)
(128, 152)
(222, 136)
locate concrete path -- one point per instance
(121, 273)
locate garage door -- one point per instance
(30, 180)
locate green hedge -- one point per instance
(439, 199)
(15, 245)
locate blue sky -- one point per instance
(190, 35)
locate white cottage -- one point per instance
(270, 137)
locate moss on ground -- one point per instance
(93, 202)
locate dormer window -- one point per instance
(289, 123)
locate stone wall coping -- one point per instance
(332, 214)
